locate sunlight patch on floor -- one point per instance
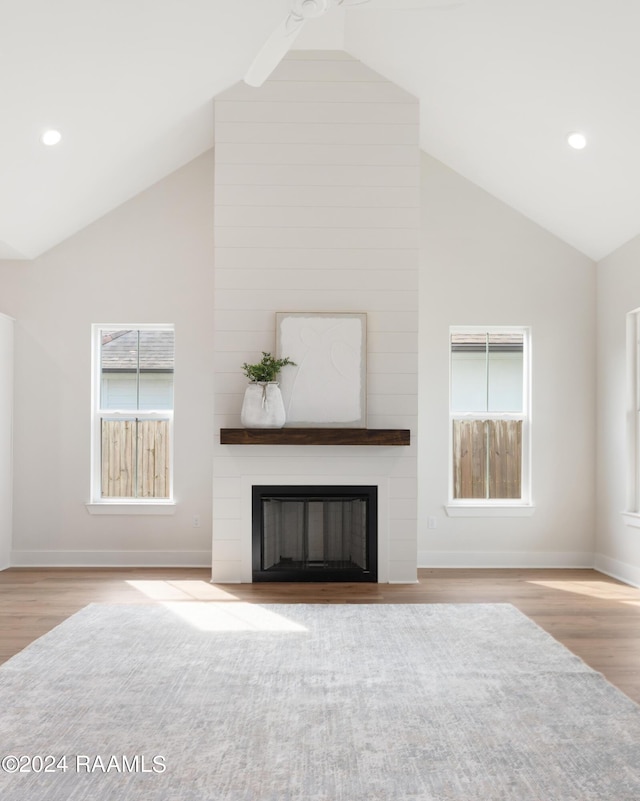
(595, 589)
(181, 591)
(231, 617)
(203, 591)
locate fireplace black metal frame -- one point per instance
(315, 573)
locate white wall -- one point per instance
(152, 259)
(618, 545)
(485, 264)
(317, 176)
(6, 438)
(149, 261)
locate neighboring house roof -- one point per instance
(127, 350)
(473, 342)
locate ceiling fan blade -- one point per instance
(274, 50)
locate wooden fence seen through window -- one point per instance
(135, 458)
(487, 459)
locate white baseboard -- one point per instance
(629, 574)
(506, 559)
(111, 559)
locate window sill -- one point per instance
(132, 508)
(490, 510)
(631, 519)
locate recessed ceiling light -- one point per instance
(577, 140)
(51, 137)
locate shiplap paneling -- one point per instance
(361, 175)
(292, 278)
(259, 237)
(362, 113)
(332, 91)
(365, 258)
(389, 362)
(316, 186)
(325, 70)
(233, 320)
(288, 154)
(337, 216)
(386, 197)
(392, 384)
(393, 322)
(315, 133)
(310, 462)
(335, 299)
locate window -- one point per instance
(489, 417)
(133, 370)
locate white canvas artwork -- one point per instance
(327, 387)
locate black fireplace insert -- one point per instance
(315, 533)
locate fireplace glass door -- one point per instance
(314, 533)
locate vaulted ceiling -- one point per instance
(501, 83)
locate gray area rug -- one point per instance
(233, 702)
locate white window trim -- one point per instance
(489, 509)
(631, 515)
(98, 505)
(477, 507)
(631, 519)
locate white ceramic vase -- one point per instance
(262, 406)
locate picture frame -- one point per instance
(327, 387)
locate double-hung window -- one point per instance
(133, 369)
(489, 419)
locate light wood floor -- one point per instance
(596, 617)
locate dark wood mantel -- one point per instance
(315, 436)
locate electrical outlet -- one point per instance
(195, 522)
(432, 522)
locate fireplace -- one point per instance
(314, 533)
